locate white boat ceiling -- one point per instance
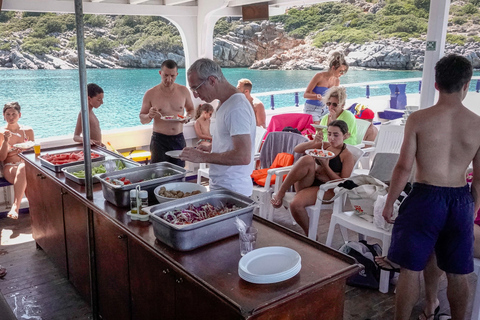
(195, 21)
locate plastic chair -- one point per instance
(362, 127)
(476, 294)
(389, 140)
(313, 211)
(275, 142)
(260, 133)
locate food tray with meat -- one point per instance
(77, 173)
(203, 218)
(116, 185)
(58, 161)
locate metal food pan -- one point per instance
(69, 170)
(192, 236)
(59, 167)
(147, 177)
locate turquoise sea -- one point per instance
(50, 99)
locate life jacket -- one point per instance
(282, 159)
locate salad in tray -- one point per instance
(99, 169)
(319, 153)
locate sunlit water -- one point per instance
(50, 99)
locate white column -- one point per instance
(436, 36)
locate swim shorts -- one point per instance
(437, 218)
(317, 112)
(161, 143)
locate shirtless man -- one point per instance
(166, 99)
(436, 218)
(95, 100)
(245, 86)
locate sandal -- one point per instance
(432, 316)
(444, 316)
(389, 267)
(3, 272)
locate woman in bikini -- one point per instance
(308, 173)
(13, 165)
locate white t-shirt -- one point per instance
(234, 117)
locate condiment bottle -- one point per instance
(133, 202)
(143, 201)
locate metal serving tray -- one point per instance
(191, 236)
(69, 170)
(59, 167)
(120, 195)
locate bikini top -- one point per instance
(335, 163)
(318, 90)
(12, 149)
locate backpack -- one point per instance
(364, 253)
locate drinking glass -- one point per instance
(247, 240)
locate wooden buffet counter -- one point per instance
(140, 278)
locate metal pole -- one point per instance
(82, 70)
(296, 99)
(368, 91)
(272, 102)
(478, 85)
(420, 86)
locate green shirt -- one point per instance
(349, 118)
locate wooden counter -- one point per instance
(141, 278)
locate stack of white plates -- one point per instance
(269, 265)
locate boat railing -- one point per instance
(366, 85)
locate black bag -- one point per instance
(291, 129)
(365, 254)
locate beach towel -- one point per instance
(300, 121)
(282, 159)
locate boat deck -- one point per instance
(35, 289)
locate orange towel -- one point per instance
(283, 159)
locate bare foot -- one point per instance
(385, 264)
(13, 213)
(430, 312)
(277, 201)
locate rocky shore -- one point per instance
(263, 46)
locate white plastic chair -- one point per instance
(313, 211)
(260, 133)
(476, 294)
(389, 140)
(362, 127)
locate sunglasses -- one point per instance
(194, 90)
(334, 104)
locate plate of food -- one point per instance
(318, 126)
(319, 153)
(175, 118)
(24, 145)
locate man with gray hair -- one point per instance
(233, 136)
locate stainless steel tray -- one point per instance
(59, 167)
(69, 170)
(147, 177)
(191, 236)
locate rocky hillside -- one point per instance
(281, 43)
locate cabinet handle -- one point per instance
(166, 271)
(64, 193)
(179, 280)
(41, 176)
(122, 236)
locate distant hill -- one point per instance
(48, 41)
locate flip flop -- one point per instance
(390, 268)
(432, 316)
(444, 316)
(3, 272)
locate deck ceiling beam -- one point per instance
(176, 2)
(275, 3)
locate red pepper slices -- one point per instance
(62, 158)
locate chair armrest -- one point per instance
(202, 165)
(277, 172)
(331, 184)
(256, 156)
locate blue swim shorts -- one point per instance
(317, 112)
(439, 218)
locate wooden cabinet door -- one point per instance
(46, 212)
(193, 302)
(111, 246)
(152, 285)
(76, 235)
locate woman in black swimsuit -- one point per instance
(308, 173)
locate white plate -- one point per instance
(318, 126)
(174, 153)
(311, 152)
(140, 217)
(269, 265)
(24, 145)
(175, 118)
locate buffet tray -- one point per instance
(69, 170)
(151, 174)
(59, 167)
(191, 236)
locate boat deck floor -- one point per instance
(35, 289)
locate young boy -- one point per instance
(95, 100)
(436, 219)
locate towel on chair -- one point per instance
(281, 160)
(301, 121)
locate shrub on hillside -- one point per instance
(95, 20)
(100, 45)
(469, 9)
(456, 39)
(340, 34)
(6, 16)
(223, 27)
(159, 28)
(159, 43)
(40, 46)
(459, 20)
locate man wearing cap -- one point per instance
(372, 131)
